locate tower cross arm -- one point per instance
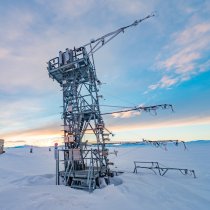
(143, 108)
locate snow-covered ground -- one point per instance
(27, 181)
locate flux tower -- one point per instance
(75, 71)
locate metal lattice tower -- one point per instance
(75, 71)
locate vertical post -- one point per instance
(1, 146)
(57, 162)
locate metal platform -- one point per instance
(80, 170)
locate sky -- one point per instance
(165, 59)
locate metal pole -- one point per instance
(56, 155)
(57, 181)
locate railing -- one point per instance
(68, 171)
(65, 58)
(77, 162)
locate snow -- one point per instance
(27, 181)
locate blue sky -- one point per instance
(163, 60)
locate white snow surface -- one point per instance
(27, 181)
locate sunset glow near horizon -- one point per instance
(165, 59)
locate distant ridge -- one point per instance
(199, 141)
(113, 143)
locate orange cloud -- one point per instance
(39, 136)
(172, 123)
(50, 135)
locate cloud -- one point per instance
(68, 8)
(30, 41)
(43, 132)
(34, 33)
(75, 9)
(17, 141)
(18, 110)
(16, 22)
(188, 121)
(134, 7)
(14, 143)
(31, 38)
(126, 114)
(193, 34)
(19, 66)
(181, 62)
(205, 66)
(165, 82)
(4, 53)
(185, 56)
(45, 142)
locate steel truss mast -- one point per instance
(75, 71)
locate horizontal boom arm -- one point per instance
(96, 44)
